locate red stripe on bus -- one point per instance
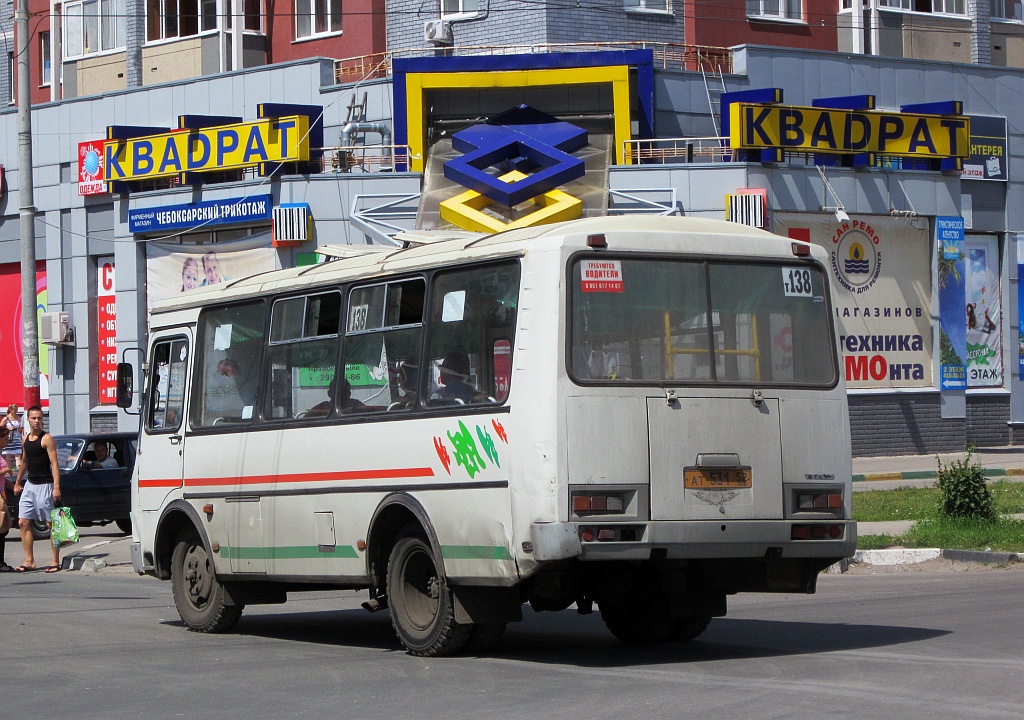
(169, 482)
(347, 475)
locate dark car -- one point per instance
(97, 493)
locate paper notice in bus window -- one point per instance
(454, 307)
(222, 337)
(357, 317)
(601, 276)
(796, 282)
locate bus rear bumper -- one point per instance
(701, 539)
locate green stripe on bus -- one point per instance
(296, 552)
(475, 552)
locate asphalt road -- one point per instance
(919, 643)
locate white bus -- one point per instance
(645, 413)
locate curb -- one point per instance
(932, 474)
(910, 556)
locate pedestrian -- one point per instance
(12, 452)
(42, 488)
(5, 493)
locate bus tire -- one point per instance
(200, 598)
(689, 628)
(636, 623)
(421, 604)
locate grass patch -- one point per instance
(967, 534)
(921, 503)
(875, 542)
(953, 534)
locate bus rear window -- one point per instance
(700, 322)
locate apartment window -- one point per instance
(317, 17)
(168, 19)
(450, 8)
(787, 9)
(1006, 9)
(648, 5)
(943, 7)
(44, 56)
(949, 7)
(93, 26)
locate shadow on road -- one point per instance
(569, 639)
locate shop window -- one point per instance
(93, 26)
(317, 17)
(472, 332)
(780, 9)
(304, 357)
(167, 385)
(230, 343)
(383, 343)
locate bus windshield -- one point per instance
(664, 321)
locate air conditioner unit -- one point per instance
(438, 32)
(55, 328)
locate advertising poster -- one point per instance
(90, 168)
(984, 329)
(106, 332)
(949, 232)
(1020, 322)
(173, 269)
(880, 272)
(11, 382)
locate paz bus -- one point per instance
(642, 414)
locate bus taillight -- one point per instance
(816, 532)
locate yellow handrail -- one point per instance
(754, 352)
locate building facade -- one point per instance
(111, 244)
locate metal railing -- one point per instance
(677, 150)
(667, 56)
(365, 158)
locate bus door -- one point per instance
(161, 453)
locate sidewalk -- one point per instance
(885, 473)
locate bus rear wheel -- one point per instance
(633, 623)
(200, 598)
(421, 603)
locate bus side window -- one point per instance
(230, 346)
(472, 333)
(383, 341)
(303, 356)
(167, 385)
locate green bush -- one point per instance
(963, 490)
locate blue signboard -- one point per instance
(202, 214)
(949, 232)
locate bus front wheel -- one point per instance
(421, 603)
(200, 598)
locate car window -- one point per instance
(69, 450)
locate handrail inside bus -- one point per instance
(754, 352)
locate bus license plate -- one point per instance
(716, 478)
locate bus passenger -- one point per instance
(454, 374)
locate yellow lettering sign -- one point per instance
(227, 147)
(804, 129)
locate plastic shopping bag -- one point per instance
(64, 531)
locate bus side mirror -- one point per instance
(125, 385)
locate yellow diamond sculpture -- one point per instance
(464, 210)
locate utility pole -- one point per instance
(27, 211)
